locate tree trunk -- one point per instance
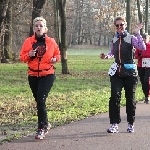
(3, 10)
(146, 16)
(37, 7)
(128, 15)
(140, 14)
(56, 20)
(62, 33)
(7, 35)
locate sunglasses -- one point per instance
(117, 25)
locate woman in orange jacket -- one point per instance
(40, 52)
(143, 67)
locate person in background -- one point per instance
(143, 67)
(123, 73)
(40, 52)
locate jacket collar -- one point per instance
(122, 34)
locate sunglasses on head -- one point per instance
(117, 25)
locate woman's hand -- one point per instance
(32, 53)
(53, 60)
(137, 30)
(102, 55)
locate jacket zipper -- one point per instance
(39, 59)
(119, 55)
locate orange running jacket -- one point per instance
(44, 66)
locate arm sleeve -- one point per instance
(111, 52)
(24, 56)
(138, 42)
(56, 51)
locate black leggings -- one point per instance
(117, 83)
(144, 74)
(40, 87)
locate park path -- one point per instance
(90, 134)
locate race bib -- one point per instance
(145, 62)
(113, 69)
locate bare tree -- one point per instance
(56, 20)
(8, 34)
(60, 26)
(146, 16)
(62, 30)
(37, 7)
(3, 10)
(140, 14)
(128, 15)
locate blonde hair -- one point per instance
(40, 19)
(119, 18)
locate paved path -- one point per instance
(90, 134)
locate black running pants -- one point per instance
(40, 87)
(129, 83)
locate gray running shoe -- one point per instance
(113, 128)
(130, 128)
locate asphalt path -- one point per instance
(90, 134)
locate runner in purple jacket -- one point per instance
(123, 73)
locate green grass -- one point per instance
(82, 93)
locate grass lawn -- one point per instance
(82, 93)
